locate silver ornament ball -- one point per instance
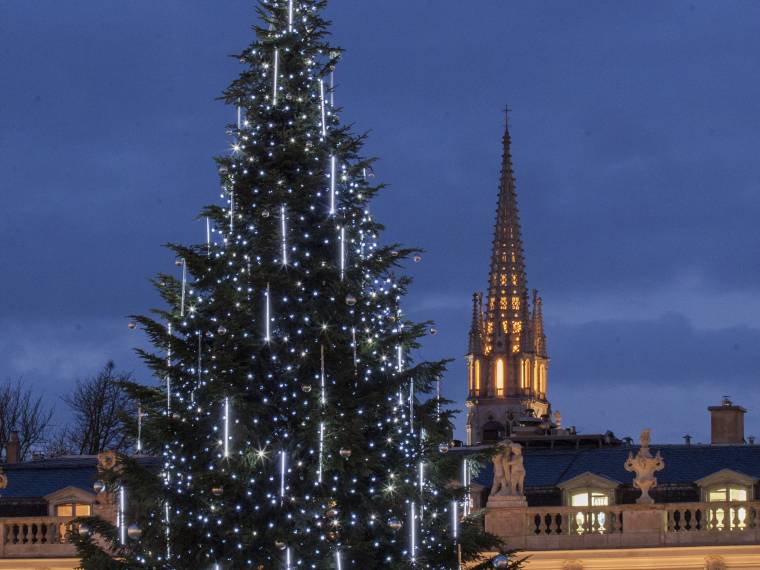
(99, 486)
(350, 300)
(443, 448)
(500, 561)
(306, 388)
(134, 532)
(345, 452)
(394, 523)
(222, 330)
(131, 326)
(280, 545)
(417, 258)
(83, 530)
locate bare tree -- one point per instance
(98, 405)
(23, 413)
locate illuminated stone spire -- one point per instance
(476, 328)
(507, 287)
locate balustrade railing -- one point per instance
(574, 521)
(728, 516)
(35, 537)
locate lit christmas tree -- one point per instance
(291, 428)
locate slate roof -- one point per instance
(683, 464)
(35, 479)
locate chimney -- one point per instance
(727, 423)
(11, 448)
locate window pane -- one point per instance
(579, 500)
(738, 494)
(64, 510)
(717, 495)
(599, 500)
(83, 510)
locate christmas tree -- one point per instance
(291, 427)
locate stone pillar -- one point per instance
(643, 526)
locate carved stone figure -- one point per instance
(644, 466)
(508, 471)
(558, 419)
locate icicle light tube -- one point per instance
(283, 467)
(268, 316)
(121, 516)
(333, 174)
(290, 15)
(284, 232)
(276, 74)
(226, 427)
(413, 533)
(342, 253)
(322, 104)
(321, 451)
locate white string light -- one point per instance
(455, 519)
(321, 450)
(138, 446)
(333, 175)
(284, 231)
(342, 253)
(226, 427)
(167, 531)
(276, 73)
(323, 397)
(413, 533)
(267, 324)
(184, 287)
(168, 375)
(208, 236)
(232, 211)
(332, 89)
(283, 464)
(322, 105)
(121, 516)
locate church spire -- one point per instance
(507, 287)
(476, 328)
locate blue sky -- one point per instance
(635, 126)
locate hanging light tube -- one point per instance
(226, 427)
(323, 397)
(276, 74)
(284, 230)
(121, 516)
(283, 464)
(342, 253)
(267, 324)
(184, 288)
(333, 174)
(322, 105)
(321, 450)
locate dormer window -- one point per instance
(73, 510)
(589, 498)
(725, 492)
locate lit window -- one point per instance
(733, 517)
(515, 303)
(499, 377)
(73, 510)
(517, 326)
(514, 279)
(589, 497)
(477, 377)
(503, 304)
(503, 279)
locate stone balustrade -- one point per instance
(35, 537)
(626, 526)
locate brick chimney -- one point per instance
(727, 423)
(12, 448)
